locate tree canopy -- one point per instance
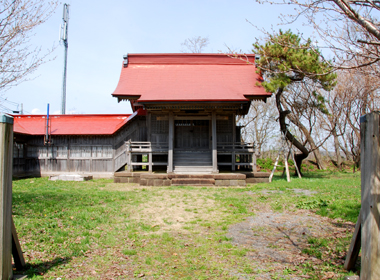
(286, 60)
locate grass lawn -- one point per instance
(101, 230)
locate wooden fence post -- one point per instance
(6, 157)
(370, 201)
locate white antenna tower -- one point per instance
(63, 38)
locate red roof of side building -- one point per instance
(189, 78)
(72, 124)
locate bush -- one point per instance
(266, 163)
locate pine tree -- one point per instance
(285, 60)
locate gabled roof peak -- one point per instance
(189, 77)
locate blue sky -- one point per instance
(100, 32)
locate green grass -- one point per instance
(97, 229)
(338, 193)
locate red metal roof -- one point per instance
(72, 124)
(189, 78)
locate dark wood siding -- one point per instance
(89, 154)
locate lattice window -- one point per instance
(159, 126)
(224, 126)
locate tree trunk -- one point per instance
(284, 129)
(310, 140)
(258, 149)
(346, 152)
(337, 149)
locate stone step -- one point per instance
(193, 182)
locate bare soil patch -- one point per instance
(276, 240)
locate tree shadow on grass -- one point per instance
(41, 268)
(315, 175)
(308, 175)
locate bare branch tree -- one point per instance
(355, 94)
(195, 44)
(18, 20)
(350, 29)
(259, 126)
(306, 106)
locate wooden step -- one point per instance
(192, 160)
(191, 155)
(192, 163)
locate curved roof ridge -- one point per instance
(190, 58)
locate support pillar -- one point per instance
(171, 142)
(233, 155)
(370, 198)
(254, 166)
(6, 157)
(214, 144)
(150, 159)
(129, 155)
(149, 126)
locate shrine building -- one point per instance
(183, 122)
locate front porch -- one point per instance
(152, 156)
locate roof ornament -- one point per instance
(125, 57)
(257, 58)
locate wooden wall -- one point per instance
(79, 154)
(99, 154)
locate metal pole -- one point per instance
(47, 125)
(64, 35)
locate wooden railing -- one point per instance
(147, 147)
(244, 152)
(236, 147)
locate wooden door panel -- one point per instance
(191, 134)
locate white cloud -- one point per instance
(37, 111)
